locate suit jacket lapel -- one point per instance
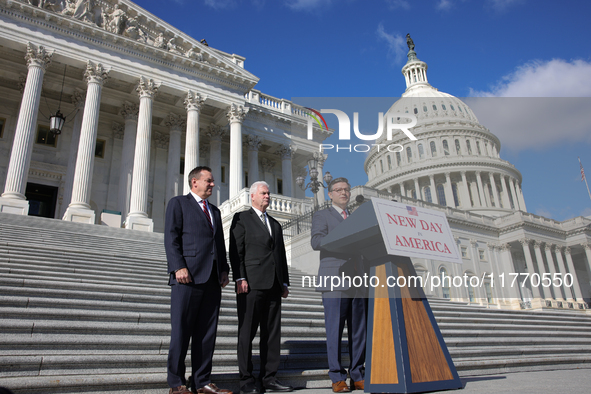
(200, 209)
(336, 214)
(260, 221)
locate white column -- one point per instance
(138, 219)
(587, 248)
(215, 134)
(573, 272)
(129, 111)
(449, 194)
(79, 209)
(417, 189)
(253, 144)
(520, 197)
(434, 197)
(159, 171)
(193, 104)
(320, 159)
(236, 115)
(563, 271)
(465, 192)
(530, 267)
(541, 269)
(555, 290)
(286, 152)
(506, 202)
(13, 199)
(78, 101)
(403, 191)
(173, 188)
(514, 195)
(267, 166)
(495, 193)
(481, 199)
(507, 266)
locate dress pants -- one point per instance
(194, 314)
(259, 307)
(341, 307)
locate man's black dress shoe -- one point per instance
(249, 388)
(277, 386)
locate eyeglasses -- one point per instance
(341, 190)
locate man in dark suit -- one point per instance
(198, 269)
(345, 304)
(259, 268)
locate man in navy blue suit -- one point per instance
(198, 269)
(345, 304)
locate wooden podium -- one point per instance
(405, 350)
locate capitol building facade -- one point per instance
(143, 101)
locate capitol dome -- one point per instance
(454, 161)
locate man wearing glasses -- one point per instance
(343, 304)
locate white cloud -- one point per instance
(444, 5)
(538, 105)
(555, 78)
(394, 4)
(396, 44)
(502, 5)
(307, 5)
(220, 4)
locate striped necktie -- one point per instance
(206, 212)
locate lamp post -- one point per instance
(314, 185)
(57, 120)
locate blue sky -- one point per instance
(474, 48)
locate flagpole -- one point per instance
(584, 177)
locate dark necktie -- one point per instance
(206, 212)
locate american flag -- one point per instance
(582, 171)
(412, 211)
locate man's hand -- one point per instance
(242, 287)
(224, 279)
(285, 292)
(182, 276)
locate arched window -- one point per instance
(389, 162)
(469, 147)
(441, 195)
(427, 192)
(445, 283)
(424, 108)
(421, 151)
(398, 158)
(458, 150)
(409, 154)
(445, 148)
(433, 149)
(416, 111)
(454, 189)
(452, 107)
(443, 107)
(434, 107)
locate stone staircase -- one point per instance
(86, 309)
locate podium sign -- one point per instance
(405, 351)
(415, 232)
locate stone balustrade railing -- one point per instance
(282, 206)
(281, 105)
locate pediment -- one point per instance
(125, 24)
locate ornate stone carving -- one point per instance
(253, 142)
(194, 101)
(525, 241)
(215, 132)
(193, 54)
(175, 121)
(286, 152)
(160, 41)
(37, 56)
(118, 130)
(134, 31)
(320, 157)
(96, 74)
(173, 48)
(267, 164)
(160, 140)
(236, 113)
(129, 110)
(147, 88)
(473, 242)
(114, 20)
(78, 98)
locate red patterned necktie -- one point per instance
(206, 212)
(344, 214)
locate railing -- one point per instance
(302, 223)
(279, 204)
